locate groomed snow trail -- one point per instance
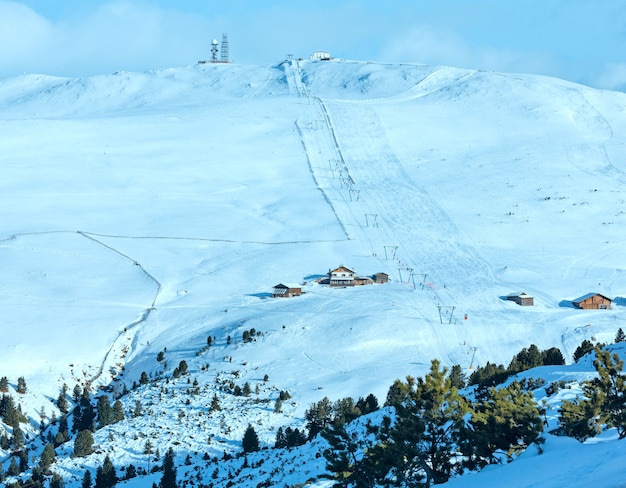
(376, 203)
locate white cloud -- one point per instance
(24, 36)
(613, 77)
(118, 35)
(428, 45)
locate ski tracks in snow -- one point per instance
(378, 204)
(390, 209)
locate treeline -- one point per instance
(432, 432)
(491, 374)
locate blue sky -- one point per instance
(578, 40)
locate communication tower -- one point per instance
(224, 48)
(214, 51)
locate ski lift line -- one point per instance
(374, 223)
(449, 312)
(324, 194)
(473, 349)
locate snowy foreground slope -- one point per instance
(144, 212)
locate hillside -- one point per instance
(143, 213)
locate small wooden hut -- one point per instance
(289, 290)
(381, 278)
(593, 301)
(523, 299)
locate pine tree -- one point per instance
(611, 387)
(525, 359)
(585, 348)
(428, 427)
(84, 414)
(57, 481)
(138, 412)
(9, 412)
(281, 440)
(399, 392)
(293, 437)
(37, 476)
(603, 402)
(215, 403)
(106, 477)
(503, 420)
(278, 405)
(131, 472)
(168, 480)
(21, 385)
(318, 416)
(76, 393)
(48, 456)
(62, 403)
(457, 377)
(344, 460)
(83, 443)
(148, 448)
(250, 442)
(14, 467)
(86, 480)
(489, 375)
(552, 357)
(246, 389)
(345, 411)
(117, 413)
(620, 336)
(63, 433)
(18, 437)
(580, 418)
(103, 408)
(23, 456)
(4, 384)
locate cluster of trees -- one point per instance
(251, 335)
(603, 404)
(289, 438)
(586, 346)
(323, 414)
(531, 357)
(20, 388)
(107, 477)
(435, 432)
(11, 414)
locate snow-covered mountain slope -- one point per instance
(143, 212)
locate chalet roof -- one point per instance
(288, 285)
(590, 295)
(522, 294)
(342, 269)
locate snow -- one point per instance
(147, 211)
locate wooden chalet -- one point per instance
(363, 280)
(593, 301)
(288, 290)
(341, 276)
(523, 299)
(381, 278)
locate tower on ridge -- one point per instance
(224, 48)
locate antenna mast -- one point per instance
(224, 48)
